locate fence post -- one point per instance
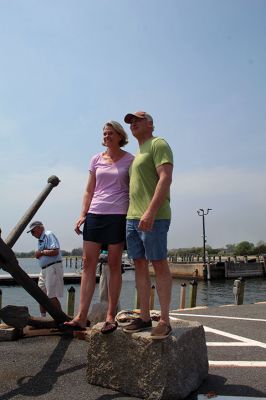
(183, 296)
(71, 301)
(193, 293)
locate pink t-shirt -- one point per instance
(112, 185)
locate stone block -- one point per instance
(151, 369)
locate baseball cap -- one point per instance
(33, 225)
(138, 114)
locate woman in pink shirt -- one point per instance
(103, 214)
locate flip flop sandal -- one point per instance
(71, 328)
(109, 327)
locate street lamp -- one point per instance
(202, 214)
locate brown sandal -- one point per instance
(109, 327)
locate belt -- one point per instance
(49, 265)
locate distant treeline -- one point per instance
(73, 253)
(244, 248)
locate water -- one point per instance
(214, 293)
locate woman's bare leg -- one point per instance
(91, 251)
(115, 281)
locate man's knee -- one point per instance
(141, 263)
(161, 267)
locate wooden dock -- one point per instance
(69, 277)
(215, 270)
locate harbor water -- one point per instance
(210, 293)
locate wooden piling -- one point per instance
(71, 301)
(238, 290)
(137, 303)
(0, 301)
(152, 292)
(193, 293)
(208, 271)
(183, 296)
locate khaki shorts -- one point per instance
(51, 280)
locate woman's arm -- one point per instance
(89, 191)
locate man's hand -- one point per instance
(146, 222)
(38, 254)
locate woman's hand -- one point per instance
(79, 222)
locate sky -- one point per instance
(197, 66)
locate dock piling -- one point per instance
(0, 301)
(193, 293)
(238, 290)
(183, 296)
(71, 301)
(152, 297)
(137, 304)
(208, 271)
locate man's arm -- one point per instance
(164, 172)
(47, 253)
(52, 247)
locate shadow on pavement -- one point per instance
(217, 385)
(44, 381)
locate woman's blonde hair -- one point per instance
(120, 130)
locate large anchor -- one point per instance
(19, 317)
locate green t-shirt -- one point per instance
(143, 178)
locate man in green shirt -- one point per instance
(148, 221)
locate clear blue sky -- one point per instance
(197, 66)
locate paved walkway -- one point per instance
(54, 367)
(236, 341)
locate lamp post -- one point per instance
(202, 214)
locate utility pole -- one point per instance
(202, 214)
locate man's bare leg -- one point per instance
(164, 287)
(143, 284)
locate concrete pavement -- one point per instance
(54, 367)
